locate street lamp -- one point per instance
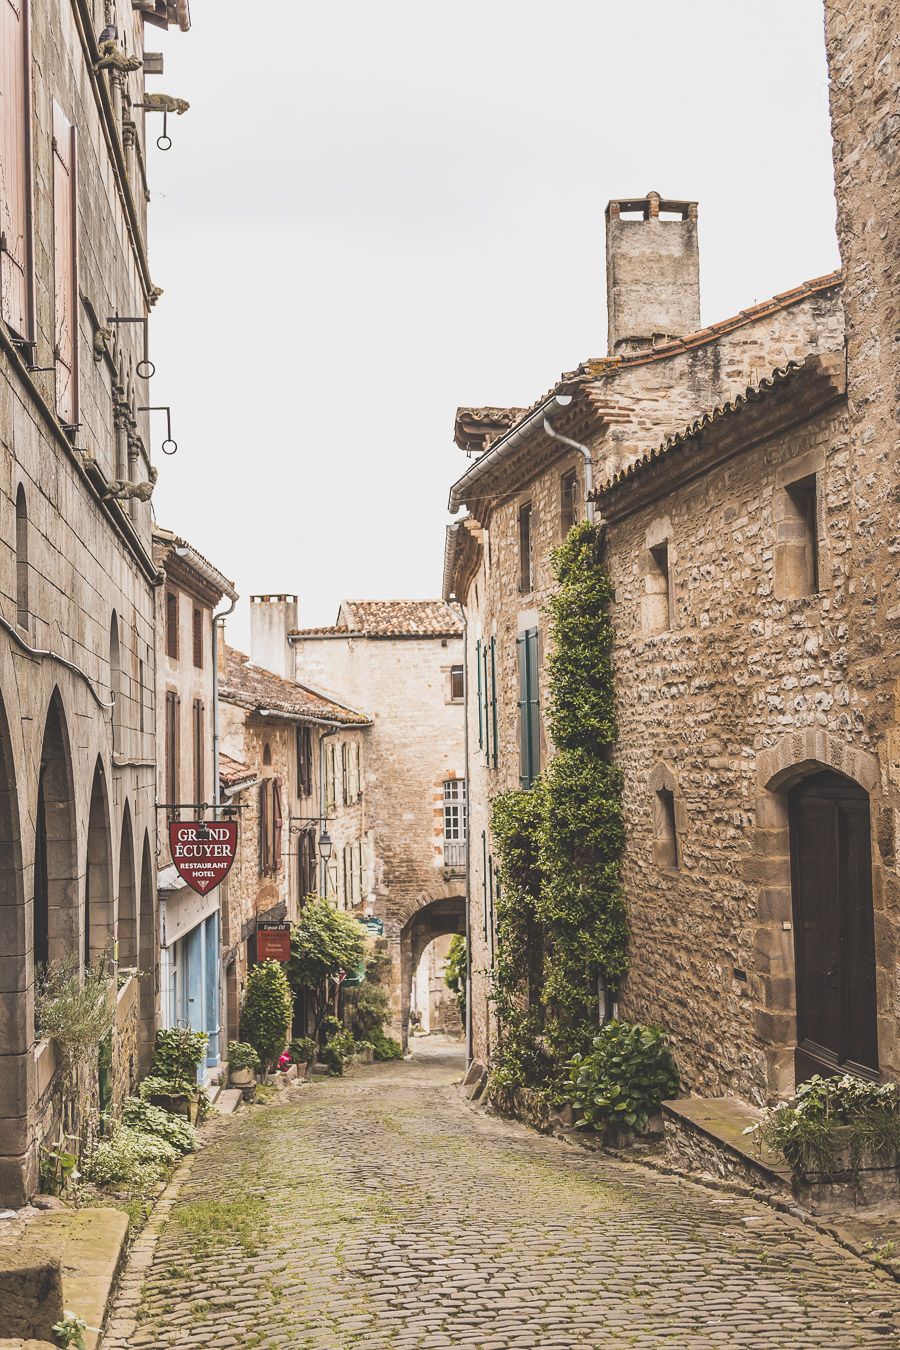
(325, 845)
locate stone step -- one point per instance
(227, 1100)
(706, 1134)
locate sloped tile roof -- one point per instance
(389, 619)
(231, 773)
(259, 690)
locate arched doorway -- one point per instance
(834, 936)
(99, 913)
(433, 919)
(55, 931)
(127, 930)
(148, 962)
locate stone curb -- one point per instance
(771, 1198)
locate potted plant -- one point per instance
(618, 1087)
(303, 1052)
(243, 1063)
(366, 1051)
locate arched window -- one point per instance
(115, 679)
(22, 607)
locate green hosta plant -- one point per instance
(266, 1011)
(173, 1130)
(624, 1077)
(830, 1118)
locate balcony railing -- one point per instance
(455, 854)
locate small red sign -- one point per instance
(203, 852)
(274, 943)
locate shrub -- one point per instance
(129, 1158)
(74, 1008)
(266, 1011)
(303, 1050)
(826, 1113)
(242, 1056)
(339, 1046)
(385, 1047)
(370, 1011)
(179, 1053)
(173, 1130)
(323, 943)
(455, 972)
(624, 1078)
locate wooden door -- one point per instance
(834, 936)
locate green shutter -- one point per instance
(484, 893)
(494, 702)
(480, 716)
(534, 705)
(487, 706)
(524, 748)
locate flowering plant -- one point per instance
(284, 1060)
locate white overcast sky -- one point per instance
(374, 212)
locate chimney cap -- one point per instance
(273, 599)
(651, 206)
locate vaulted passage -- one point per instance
(55, 931)
(99, 909)
(128, 924)
(433, 920)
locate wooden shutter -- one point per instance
(494, 737)
(345, 773)
(478, 669)
(277, 821)
(264, 861)
(484, 891)
(171, 748)
(15, 168)
(172, 625)
(199, 785)
(360, 851)
(487, 704)
(534, 706)
(198, 638)
(524, 753)
(65, 267)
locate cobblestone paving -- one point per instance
(379, 1212)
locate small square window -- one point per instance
(457, 683)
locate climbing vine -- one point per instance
(561, 920)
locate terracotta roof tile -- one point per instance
(259, 690)
(390, 618)
(231, 773)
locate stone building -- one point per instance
(695, 963)
(187, 699)
(77, 576)
(294, 762)
(402, 660)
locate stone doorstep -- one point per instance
(227, 1101)
(722, 1120)
(89, 1245)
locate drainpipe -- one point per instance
(563, 401)
(465, 624)
(217, 619)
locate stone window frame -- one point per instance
(790, 581)
(795, 756)
(658, 537)
(667, 849)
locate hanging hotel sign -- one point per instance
(203, 851)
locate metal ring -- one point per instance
(148, 371)
(169, 441)
(164, 142)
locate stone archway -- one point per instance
(55, 932)
(148, 961)
(127, 923)
(796, 757)
(99, 904)
(430, 919)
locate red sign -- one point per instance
(203, 852)
(274, 943)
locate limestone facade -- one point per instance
(77, 578)
(730, 561)
(294, 763)
(402, 662)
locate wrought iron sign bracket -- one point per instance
(149, 369)
(164, 407)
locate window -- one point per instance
(330, 778)
(347, 787)
(797, 540)
(65, 268)
(331, 880)
(457, 684)
(172, 625)
(487, 895)
(487, 700)
(529, 709)
(277, 824)
(15, 169)
(306, 869)
(141, 695)
(568, 503)
(22, 611)
(304, 761)
(659, 607)
(356, 771)
(270, 826)
(455, 822)
(526, 579)
(171, 748)
(198, 638)
(115, 680)
(665, 828)
(199, 750)
(362, 871)
(348, 875)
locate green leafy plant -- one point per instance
(57, 1167)
(303, 1050)
(147, 1119)
(266, 1011)
(69, 1331)
(339, 1046)
(179, 1053)
(830, 1122)
(455, 972)
(386, 1047)
(242, 1056)
(323, 943)
(623, 1079)
(129, 1158)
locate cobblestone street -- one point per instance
(379, 1211)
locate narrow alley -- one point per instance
(381, 1211)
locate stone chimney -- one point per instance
(652, 272)
(272, 617)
